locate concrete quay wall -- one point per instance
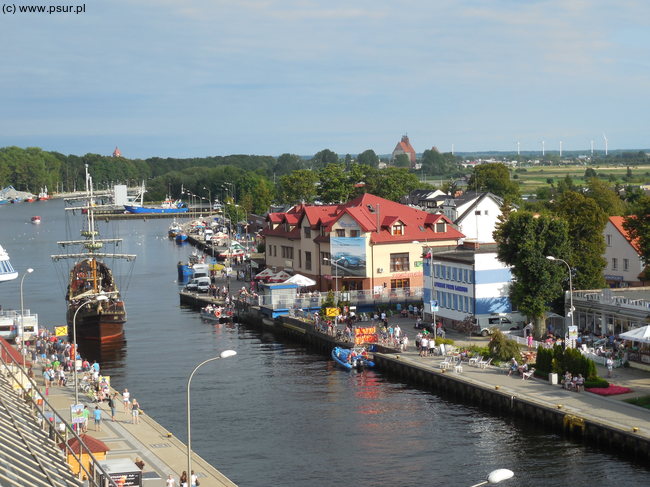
(598, 421)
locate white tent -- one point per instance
(265, 274)
(641, 334)
(279, 277)
(300, 280)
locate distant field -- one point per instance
(536, 177)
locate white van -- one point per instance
(199, 284)
(484, 324)
(207, 234)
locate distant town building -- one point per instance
(623, 256)
(117, 152)
(404, 147)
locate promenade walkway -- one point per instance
(162, 453)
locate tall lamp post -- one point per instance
(571, 308)
(22, 315)
(497, 476)
(336, 273)
(99, 297)
(224, 354)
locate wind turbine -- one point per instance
(543, 149)
(518, 148)
(605, 138)
(592, 147)
(560, 148)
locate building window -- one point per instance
(308, 261)
(400, 283)
(626, 264)
(287, 252)
(354, 233)
(398, 229)
(455, 303)
(477, 212)
(307, 232)
(340, 232)
(465, 275)
(614, 264)
(300, 259)
(441, 227)
(399, 262)
(454, 274)
(609, 240)
(325, 258)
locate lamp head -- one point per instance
(227, 353)
(550, 257)
(500, 475)
(101, 297)
(30, 270)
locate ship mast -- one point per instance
(91, 243)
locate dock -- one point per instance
(162, 453)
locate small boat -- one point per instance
(355, 358)
(7, 271)
(217, 313)
(174, 229)
(36, 219)
(43, 196)
(181, 237)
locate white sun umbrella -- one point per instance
(641, 334)
(300, 280)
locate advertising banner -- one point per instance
(365, 334)
(348, 256)
(331, 312)
(61, 331)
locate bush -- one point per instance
(446, 341)
(596, 383)
(559, 361)
(502, 348)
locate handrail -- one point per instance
(27, 394)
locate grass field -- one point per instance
(536, 177)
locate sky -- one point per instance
(178, 78)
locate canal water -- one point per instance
(278, 414)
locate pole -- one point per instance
(550, 257)
(22, 316)
(74, 342)
(224, 354)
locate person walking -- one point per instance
(97, 415)
(183, 479)
(126, 400)
(171, 481)
(610, 366)
(111, 405)
(135, 411)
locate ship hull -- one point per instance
(150, 209)
(102, 326)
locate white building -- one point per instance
(474, 214)
(466, 281)
(624, 263)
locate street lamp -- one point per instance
(22, 315)
(100, 297)
(336, 273)
(497, 476)
(224, 354)
(571, 308)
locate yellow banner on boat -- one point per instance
(331, 312)
(61, 331)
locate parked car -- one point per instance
(199, 284)
(350, 261)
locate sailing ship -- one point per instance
(95, 307)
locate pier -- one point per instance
(161, 452)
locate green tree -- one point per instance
(402, 160)
(287, 163)
(586, 225)
(368, 158)
(606, 198)
(392, 183)
(298, 186)
(435, 163)
(524, 239)
(323, 158)
(590, 172)
(334, 184)
(495, 178)
(638, 227)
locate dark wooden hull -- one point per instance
(103, 326)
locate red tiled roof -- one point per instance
(618, 221)
(92, 444)
(368, 211)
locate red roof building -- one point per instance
(404, 147)
(623, 255)
(117, 152)
(359, 245)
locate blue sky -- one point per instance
(210, 77)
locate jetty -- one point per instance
(37, 430)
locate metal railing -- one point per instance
(57, 428)
(356, 298)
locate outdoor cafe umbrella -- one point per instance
(641, 334)
(279, 277)
(301, 281)
(265, 274)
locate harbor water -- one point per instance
(277, 413)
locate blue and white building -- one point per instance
(466, 281)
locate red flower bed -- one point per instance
(612, 390)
